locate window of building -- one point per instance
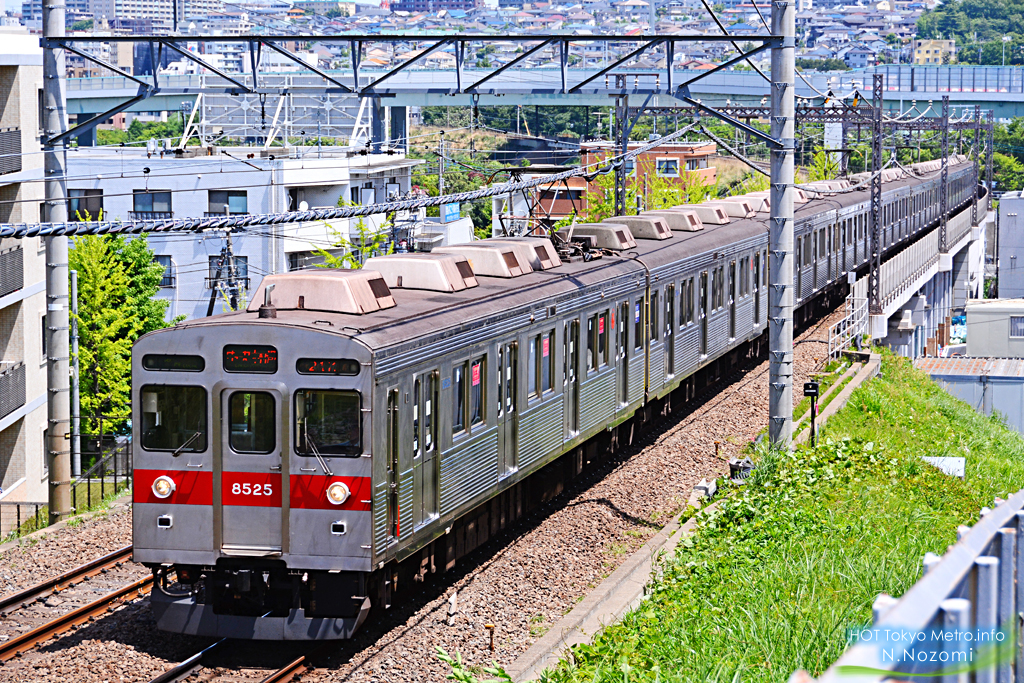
(1017, 326)
(220, 267)
(151, 202)
(84, 205)
(168, 278)
(692, 164)
(668, 167)
(228, 201)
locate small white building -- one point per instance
(23, 464)
(133, 183)
(995, 328)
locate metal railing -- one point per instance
(855, 324)
(149, 215)
(12, 387)
(939, 78)
(10, 150)
(18, 518)
(111, 474)
(12, 270)
(976, 587)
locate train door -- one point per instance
(622, 357)
(732, 300)
(702, 314)
(252, 483)
(392, 445)
(508, 418)
(670, 323)
(426, 473)
(570, 375)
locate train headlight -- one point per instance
(163, 486)
(338, 493)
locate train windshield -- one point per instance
(173, 418)
(327, 422)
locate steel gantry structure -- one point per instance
(779, 38)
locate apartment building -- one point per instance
(22, 274)
(674, 163)
(217, 269)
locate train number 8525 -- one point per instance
(252, 489)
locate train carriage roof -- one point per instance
(419, 313)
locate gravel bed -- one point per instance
(51, 553)
(523, 587)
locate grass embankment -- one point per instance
(778, 573)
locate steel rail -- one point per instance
(26, 641)
(13, 601)
(294, 669)
(180, 672)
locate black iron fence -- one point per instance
(17, 519)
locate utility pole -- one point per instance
(975, 151)
(943, 204)
(440, 173)
(875, 274)
(76, 404)
(621, 114)
(58, 428)
(232, 275)
(780, 227)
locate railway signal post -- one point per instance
(780, 226)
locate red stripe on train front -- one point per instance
(190, 488)
(252, 489)
(310, 492)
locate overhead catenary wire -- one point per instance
(242, 222)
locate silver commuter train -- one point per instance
(290, 456)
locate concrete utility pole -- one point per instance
(58, 430)
(780, 227)
(875, 245)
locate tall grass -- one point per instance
(777, 575)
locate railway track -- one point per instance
(292, 671)
(39, 592)
(76, 617)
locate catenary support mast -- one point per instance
(780, 227)
(58, 430)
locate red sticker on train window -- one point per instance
(476, 374)
(546, 346)
(600, 325)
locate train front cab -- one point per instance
(252, 481)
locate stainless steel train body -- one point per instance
(429, 409)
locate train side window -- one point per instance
(416, 394)
(714, 289)
(547, 362)
(476, 391)
(253, 423)
(328, 422)
(670, 310)
(459, 373)
(654, 316)
(638, 325)
(602, 339)
(429, 420)
(592, 343)
(533, 367)
(173, 418)
(764, 268)
(821, 244)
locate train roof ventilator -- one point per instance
(678, 218)
(543, 255)
(644, 227)
(490, 258)
(613, 236)
(432, 271)
(334, 291)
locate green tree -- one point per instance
(368, 242)
(1008, 172)
(824, 165)
(117, 280)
